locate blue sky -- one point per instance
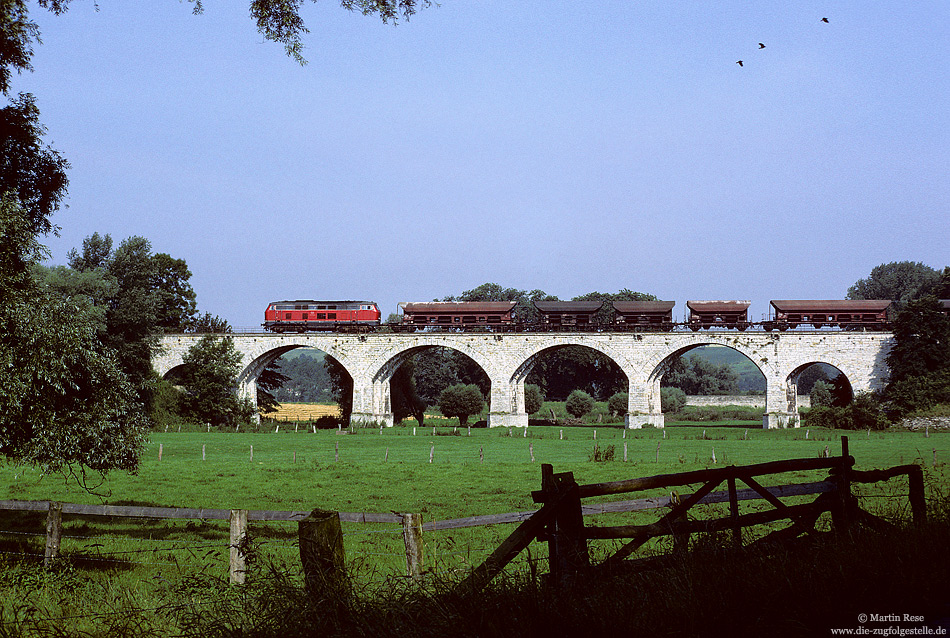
(563, 146)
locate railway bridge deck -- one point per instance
(507, 359)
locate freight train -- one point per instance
(557, 316)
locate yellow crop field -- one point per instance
(304, 411)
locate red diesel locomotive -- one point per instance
(305, 315)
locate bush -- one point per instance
(672, 399)
(617, 404)
(864, 413)
(532, 398)
(461, 401)
(579, 403)
(820, 394)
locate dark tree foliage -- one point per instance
(437, 368)
(533, 399)
(919, 361)
(941, 289)
(899, 281)
(607, 314)
(921, 340)
(524, 311)
(268, 382)
(341, 387)
(461, 401)
(209, 378)
(208, 323)
(277, 20)
(307, 380)
(694, 375)
(812, 375)
(404, 398)
(96, 253)
(29, 168)
(672, 400)
(150, 293)
(64, 403)
(864, 413)
(841, 392)
(617, 403)
(562, 370)
(820, 395)
(176, 306)
(17, 34)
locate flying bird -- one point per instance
(825, 20)
(739, 62)
(761, 46)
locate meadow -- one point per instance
(140, 563)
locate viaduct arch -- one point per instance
(507, 359)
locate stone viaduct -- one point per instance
(507, 359)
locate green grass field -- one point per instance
(484, 472)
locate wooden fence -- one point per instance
(560, 520)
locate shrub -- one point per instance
(532, 398)
(820, 394)
(579, 403)
(864, 413)
(461, 401)
(672, 399)
(617, 404)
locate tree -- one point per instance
(30, 169)
(579, 403)
(277, 20)
(697, 376)
(919, 361)
(209, 378)
(607, 314)
(268, 382)
(176, 306)
(341, 387)
(533, 399)
(65, 405)
(617, 404)
(820, 395)
(207, 323)
(899, 281)
(95, 255)
(672, 399)
(461, 401)
(921, 340)
(404, 398)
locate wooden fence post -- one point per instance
(734, 512)
(567, 546)
(237, 569)
(412, 537)
(841, 515)
(321, 552)
(54, 533)
(918, 503)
